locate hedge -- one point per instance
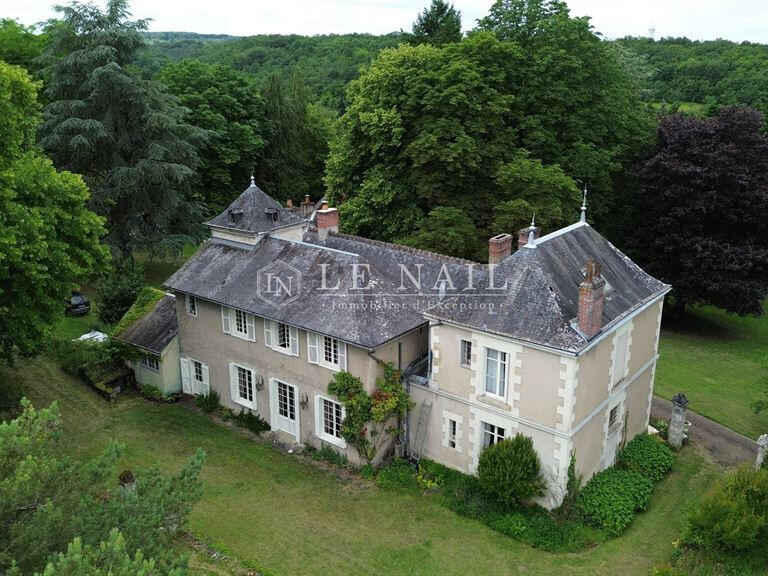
(611, 499)
(647, 455)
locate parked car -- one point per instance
(78, 304)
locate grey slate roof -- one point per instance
(156, 329)
(541, 302)
(538, 305)
(255, 207)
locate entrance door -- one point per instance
(285, 408)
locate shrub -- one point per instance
(647, 455)
(151, 392)
(733, 516)
(510, 471)
(208, 403)
(611, 498)
(328, 454)
(539, 529)
(398, 475)
(251, 421)
(119, 289)
(661, 425)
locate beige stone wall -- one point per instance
(201, 338)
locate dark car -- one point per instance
(78, 304)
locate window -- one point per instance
(242, 385)
(495, 372)
(286, 400)
(283, 335)
(452, 429)
(241, 322)
(613, 419)
(150, 362)
(238, 323)
(198, 368)
(191, 305)
(330, 350)
(619, 369)
(329, 415)
(466, 353)
(326, 351)
(492, 434)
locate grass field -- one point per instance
(280, 514)
(715, 359)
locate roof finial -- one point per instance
(533, 220)
(253, 182)
(584, 205)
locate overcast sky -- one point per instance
(702, 19)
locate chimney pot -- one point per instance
(524, 233)
(327, 221)
(306, 207)
(591, 300)
(499, 247)
(289, 203)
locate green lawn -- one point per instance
(715, 360)
(285, 516)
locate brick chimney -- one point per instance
(524, 234)
(306, 207)
(499, 247)
(289, 203)
(327, 220)
(591, 298)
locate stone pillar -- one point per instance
(677, 421)
(762, 451)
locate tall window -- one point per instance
(245, 383)
(496, 372)
(286, 400)
(332, 418)
(191, 305)
(466, 353)
(492, 434)
(241, 322)
(283, 336)
(452, 429)
(198, 366)
(330, 350)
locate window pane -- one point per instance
(198, 371)
(283, 336)
(331, 350)
(245, 383)
(491, 372)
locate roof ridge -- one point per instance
(408, 249)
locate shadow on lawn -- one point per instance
(694, 323)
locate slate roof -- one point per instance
(254, 209)
(156, 329)
(541, 300)
(538, 305)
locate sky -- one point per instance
(736, 20)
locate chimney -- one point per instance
(591, 298)
(524, 234)
(306, 207)
(289, 203)
(499, 247)
(327, 221)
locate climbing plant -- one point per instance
(369, 418)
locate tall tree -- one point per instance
(227, 103)
(521, 20)
(447, 231)
(19, 44)
(49, 241)
(127, 136)
(698, 219)
(438, 24)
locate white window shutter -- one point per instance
(226, 319)
(186, 383)
(342, 355)
(294, 335)
(312, 347)
(206, 380)
(269, 332)
(318, 415)
(233, 389)
(251, 327)
(273, 407)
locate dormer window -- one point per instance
(235, 216)
(273, 214)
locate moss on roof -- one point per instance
(144, 303)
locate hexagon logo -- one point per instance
(278, 284)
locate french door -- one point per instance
(285, 408)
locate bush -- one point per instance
(539, 529)
(647, 455)
(119, 289)
(251, 421)
(327, 453)
(208, 403)
(733, 516)
(151, 392)
(510, 471)
(611, 498)
(661, 425)
(399, 475)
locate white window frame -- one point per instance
(234, 385)
(316, 351)
(320, 421)
(190, 303)
(151, 363)
(271, 337)
(191, 384)
(494, 433)
(452, 431)
(501, 367)
(229, 323)
(464, 347)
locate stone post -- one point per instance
(762, 451)
(677, 421)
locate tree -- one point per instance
(127, 136)
(437, 25)
(510, 470)
(119, 287)
(227, 103)
(49, 241)
(447, 231)
(697, 221)
(19, 44)
(47, 499)
(521, 20)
